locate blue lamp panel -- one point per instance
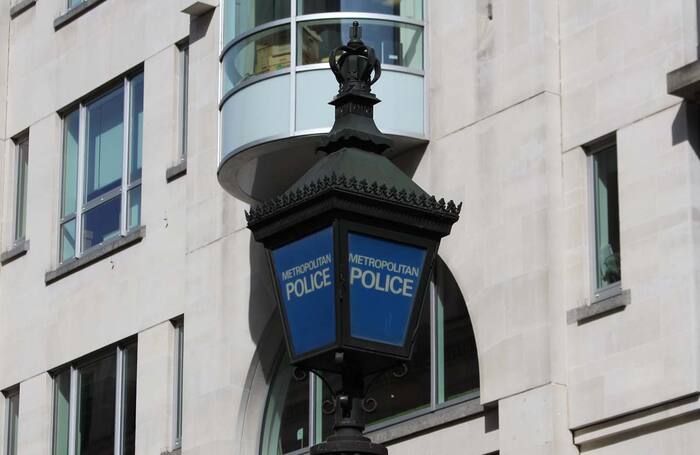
(384, 278)
(304, 274)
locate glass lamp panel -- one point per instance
(384, 279)
(607, 217)
(136, 128)
(96, 407)
(286, 422)
(61, 412)
(243, 15)
(407, 8)
(304, 272)
(71, 126)
(101, 223)
(258, 54)
(105, 144)
(394, 43)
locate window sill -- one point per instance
(99, 253)
(74, 13)
(599, 308)
(20, 7)
(176, 171)
(429, 421)
(17, 251)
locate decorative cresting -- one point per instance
(351, 247)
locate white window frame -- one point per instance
(183, 97)
(126, 185)
(598, 146)
(178, 375)
(74, 396)
(8, 395)
(18, 191)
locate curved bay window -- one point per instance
(444, 371)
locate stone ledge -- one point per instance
(17, 251)
(198, 7)
(74, 13)
(685, 82)
(176, 171)
(20, 7)
(430, 421)
(599, 308)
(105, 250)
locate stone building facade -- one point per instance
(137, 314)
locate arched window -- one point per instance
(444, 371)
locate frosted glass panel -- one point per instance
(401, 109)
(256, 112)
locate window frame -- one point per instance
(178, 376)
(19, 233)
(11, 431)
(123, 82)
(73, 368)
(183, 97)
(597, 147)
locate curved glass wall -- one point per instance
(266, 40)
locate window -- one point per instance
(443, 371)
(74, 3)
(12, 420)
(95, 404)
(177, 383)
(606, 217)
(22, 159)
(102, 151)
(184, 56)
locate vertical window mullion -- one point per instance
(119, 403)
(81, 182)
(73, 412)
(125, 158)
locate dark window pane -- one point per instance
(286, 426)
(71, 124)
(129, 410)
(607, 217)
(101, 223)
(61, 412)
(96, 407)
(136, 128)
(105, 144)
(394, 44)
(406, 8)
(258, 54)
(457, 364)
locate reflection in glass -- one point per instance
(134, 219)
(70, 162)
(406, 8)
(68, 240)
(129, 410)
(61, 412)
(607, 217)
(286, 424)
(457, 365)
(105, 144)
(21, 189)
(243, 15)
(101, 223)
(394, 44)
(135, 127)
(258, 54)
(96, 407)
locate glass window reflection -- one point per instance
(261, 53)
(407, 8)
(244, 15)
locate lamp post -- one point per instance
(351, 246)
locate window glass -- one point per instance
(258, 54)
(72, 3)
(101, 223)
(179, 355)
(21, 189)
(286, 424)
(135, 128)
(134, 219)
(607, 217)
(243, 15)
(70, 162)
(129, 409)
(407, 8)
(68, 240)
(184, 97)
(96, 407)
(457, 366)
(393, 43)
(61, 412)
(12, 423)
(105, 144)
